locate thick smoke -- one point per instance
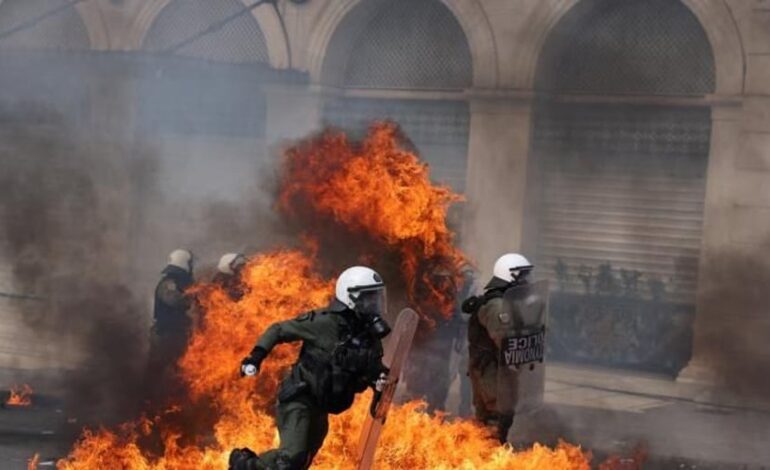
(65, 215)
(735, 300)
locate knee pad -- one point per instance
(243, 459)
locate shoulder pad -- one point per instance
(493, 294)
(307, 316)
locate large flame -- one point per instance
(376, 189)
(279, 285)
(20, 395)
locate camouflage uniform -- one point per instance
(489, 324)
(172, 325)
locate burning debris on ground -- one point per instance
(19, 395)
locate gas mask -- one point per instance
(370, 305)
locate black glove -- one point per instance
(242, 458)
(375, 402)
(250, 364)
(471, 304)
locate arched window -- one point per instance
(641, 46)
(41, 24)
(239, 40)
(620, 188)
(408, 45)
(189, 96)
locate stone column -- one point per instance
(498, 152)
(498, 159)
(718, 208)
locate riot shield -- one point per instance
(395, 354)
(520, 377)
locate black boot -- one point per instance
(244, 459)
(504, 423)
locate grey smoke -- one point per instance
(736, 293)
(65, 205)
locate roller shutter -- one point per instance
(624, 186)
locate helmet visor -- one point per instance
(371, 300)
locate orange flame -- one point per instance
(279, 285)
(380, 191)
(408, 216)
(20, 396)
(33, 462)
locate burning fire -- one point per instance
(20, 396)
(379, 192)
(391, 201)
(33, 462)
(279, 285)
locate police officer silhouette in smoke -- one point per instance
(172, 320)
(228, 275)
(341, 356)
(509, 307)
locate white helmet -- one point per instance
(231, 262)
(353, 281)
(511, 267)
(181, 259)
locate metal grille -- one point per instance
(240, 40)
(411, 44)
(660, 134)
(639, 46)
(624, 186)
(439, 130)
(61, 30)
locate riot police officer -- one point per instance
(341, 356)
(172, 321)
(503, 311)
(228, 275)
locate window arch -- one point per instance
(404, 44)
(240, 40)
(57, 28)
(640, 46)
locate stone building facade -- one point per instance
(661, 106)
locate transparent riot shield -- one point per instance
(396, 352)
(520, 373)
